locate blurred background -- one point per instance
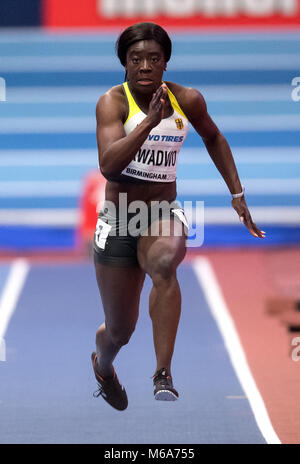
(242, 56)
(57, 58)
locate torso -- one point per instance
(137, 189)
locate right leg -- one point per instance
(120, 289)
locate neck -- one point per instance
(141, 97)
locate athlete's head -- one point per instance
(144, 49)
(143, 31)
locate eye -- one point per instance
(135, 60)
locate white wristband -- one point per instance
(238, 195)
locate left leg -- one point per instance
(159, 256)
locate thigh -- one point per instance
(120, 289)
(164, 248)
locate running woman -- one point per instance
(141, 125)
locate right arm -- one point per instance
(115, 148)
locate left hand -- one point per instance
(239, 204)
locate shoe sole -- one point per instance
(165, 395)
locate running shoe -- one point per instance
(163, 386)
(110, 388)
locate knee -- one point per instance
(120, 337)
(163, 266)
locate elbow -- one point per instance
(104, 171)
(213, 138)
(108, 172)
(214, 135)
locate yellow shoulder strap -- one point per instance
(175, 103)
(132, 106)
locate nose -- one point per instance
(145, 65)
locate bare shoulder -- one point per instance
(112, 105)
(191, 100)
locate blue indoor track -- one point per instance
(47, 382)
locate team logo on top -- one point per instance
(179, 123)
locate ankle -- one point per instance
(160, 367)
(104, 369)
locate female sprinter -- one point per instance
(141, 125)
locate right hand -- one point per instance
(157, 105)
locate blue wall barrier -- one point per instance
(20, 13)
(48, 138)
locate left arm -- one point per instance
(194, 106)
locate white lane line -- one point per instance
(90, 94)
(9, 298)
(266, 122)
(34, 125)
(40, 188)
(193, 187)
(52, 217)
(47, 125)
(188, 156)
(217, 186)
(70, 217)
(187, 62)
(220, 312)
(61, 95)
(242, 155)
(67, 157)
(267, 215)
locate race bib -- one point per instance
(101, 233)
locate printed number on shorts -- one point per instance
(101, 233)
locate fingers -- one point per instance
(253, 229)
(160, 93)
(158, 100)
(164, 91)
(157, 95)
(245, 218)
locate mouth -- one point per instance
(145, 81)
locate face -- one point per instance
(145, 65)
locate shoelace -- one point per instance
(98, 392)
(162, 379)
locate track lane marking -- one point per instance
(9, 298)
(213, 294)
